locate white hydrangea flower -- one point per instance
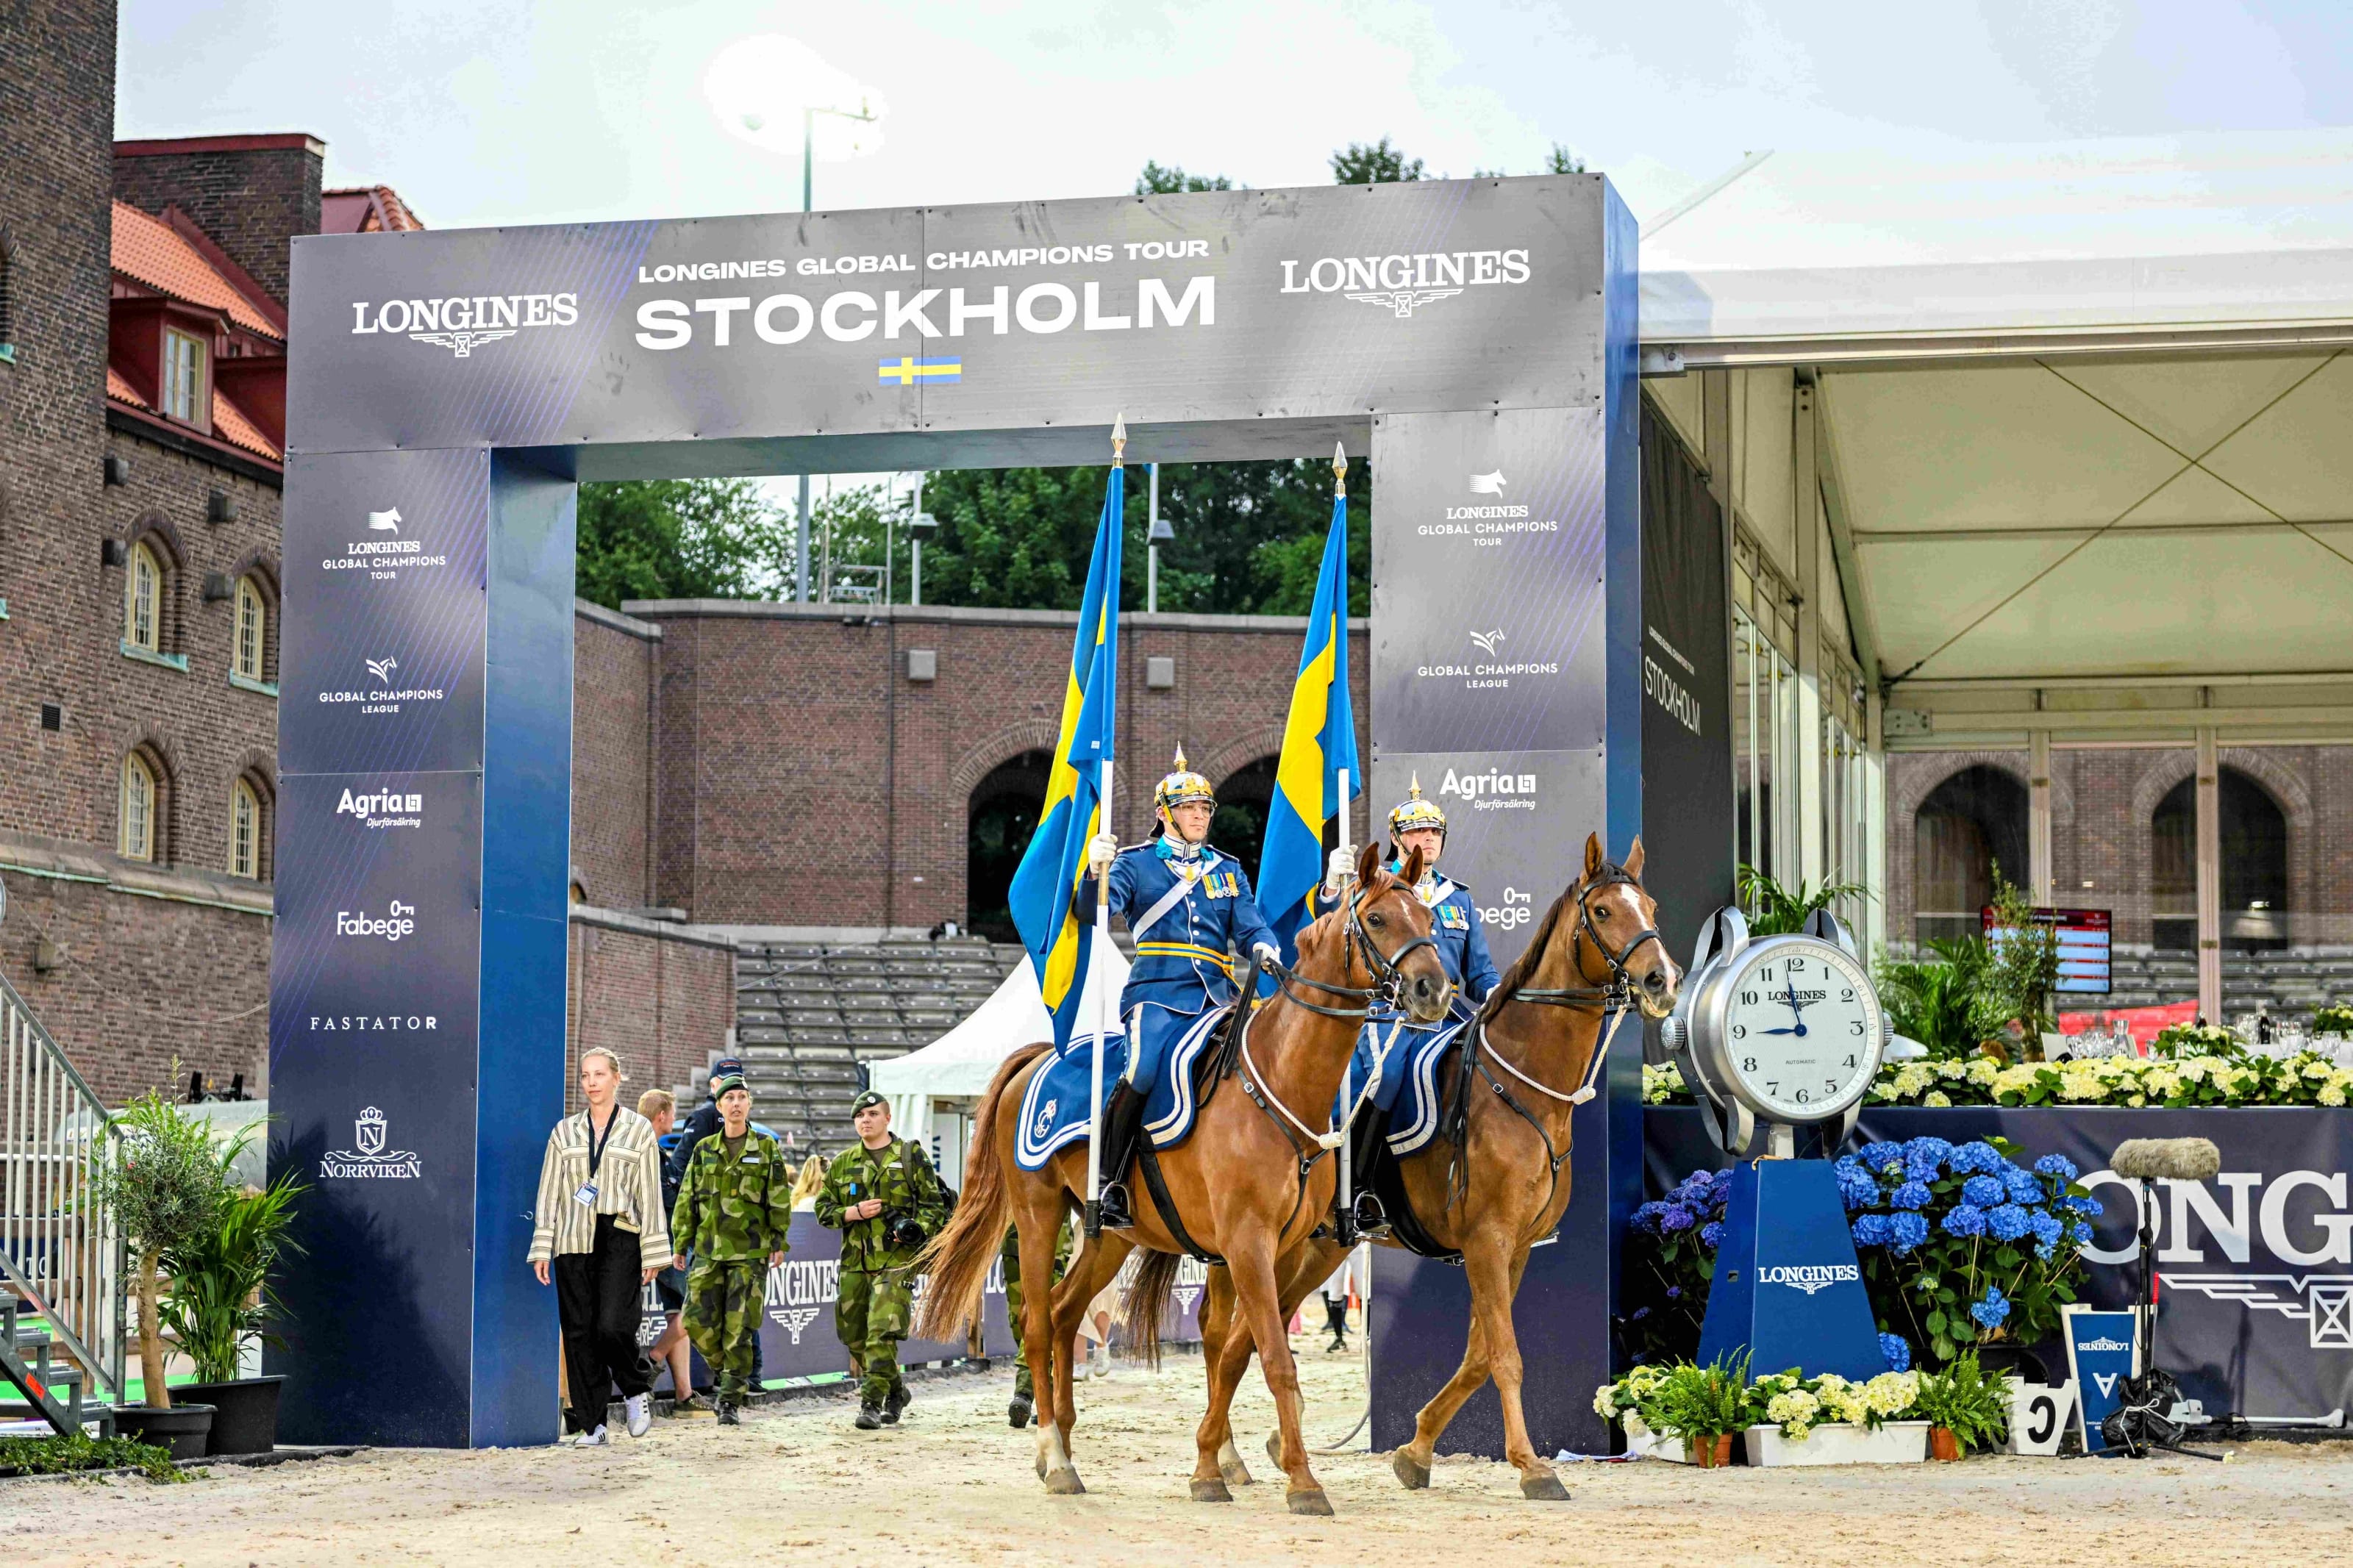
(1983, 1070)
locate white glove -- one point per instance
(1101, 851)
(1336, 870)
(1266, 953)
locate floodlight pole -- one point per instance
(1152, 547)
(1346, 1221)
(808, 204)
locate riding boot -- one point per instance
(1122, 1115)
(1335, 1319)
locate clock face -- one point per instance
(1802, 1029)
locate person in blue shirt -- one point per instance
(1188, 907)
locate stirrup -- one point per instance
(1369, 1219)
(1111, 1212)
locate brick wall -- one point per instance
(664, 1001)
(803, 780)
(251, 194)
(615, 662)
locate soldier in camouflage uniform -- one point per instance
(733, 1214)
(1025, 1396)
(886, 1201)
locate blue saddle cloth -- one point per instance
(1054, 1106)
(1408, 1092)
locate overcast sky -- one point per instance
(485, 112)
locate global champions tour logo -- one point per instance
(370, 1158)
(464, 322)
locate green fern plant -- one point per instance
(1776, 910)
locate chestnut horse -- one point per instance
(1248, 1185)
(1494, 1182)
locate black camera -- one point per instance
(905, 1232)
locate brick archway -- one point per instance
(2288, 790)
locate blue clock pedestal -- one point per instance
(1788, 1290)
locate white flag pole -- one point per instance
(1093, 1225)
(1346, 1226)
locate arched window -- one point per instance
(1000, 815)
(248, 829)
(141, 798)
(250, 653)
(142, 599)
(1972, 825)
(2255, 864)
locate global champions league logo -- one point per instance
(370, 1158)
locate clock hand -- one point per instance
(1799, 1030)
(1790, 996)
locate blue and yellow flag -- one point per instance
(1318, 740)
(1047, 885)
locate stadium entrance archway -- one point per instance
(999, 820)
(448, 391)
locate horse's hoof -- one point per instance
(1237, 1474)
(1546, 1487)
(1415, 1477)
(1211, 1491)
(1065, 1483)
(1310, 1499)
(1042, 1464)
(1274, 1447)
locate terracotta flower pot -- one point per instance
(1707, 1453)
(1943, 1443)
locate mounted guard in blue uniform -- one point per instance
(1402, 1053)
(1190, 907)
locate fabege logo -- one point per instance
(464, 322)
(1402, 284)
(793, 1319)
(395, 924)
(1809, 1276)
(371, 1157)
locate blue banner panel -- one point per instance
(2255, 1267)
(372, 1031)
(1787, 1292)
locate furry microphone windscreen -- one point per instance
(2167, 1159)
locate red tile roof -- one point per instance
(148, 252)
(366, 209)
(230, 425)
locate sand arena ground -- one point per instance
(796, 1484)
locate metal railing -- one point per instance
(60, 1248)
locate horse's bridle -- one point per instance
(1388, 977)
(1618, 993)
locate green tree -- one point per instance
(1157, 181)
(682, 539)
(1373, 163)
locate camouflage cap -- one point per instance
(871, 1097)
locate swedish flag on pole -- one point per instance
(1318, 773)
(1078, 786)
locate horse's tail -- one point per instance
(1144, 1310)
(958, 1258)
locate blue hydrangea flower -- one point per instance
(1640, 1313)
(1993, 1309)
(2057, 1166)
(1983, 1191)
(1712, 1234)
(1910, 1195)
(1966, 1219)
(2083, 1206)
(2082, 1233)
(2047, 1231)
(1646, 1219)
(1979, 1158)
(1883, 1157)
(1926, 1157)
(1675, 1292)
(1858, 1189)
(1898, 1353)
(1906, 1231)
(2024, 1188)
(1872, 1230)
(2008, 1222)
(1674, 1217)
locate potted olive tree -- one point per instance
(165, 1181)
(221, 1300)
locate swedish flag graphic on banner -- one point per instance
(1047, 883)
(1318, 740)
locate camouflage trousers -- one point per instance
(871, 1314)
(724, 1306)
(1011, 1253)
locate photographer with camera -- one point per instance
(886, 1201)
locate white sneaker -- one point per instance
(640, 1407)
(1103, 1359)
(1084, 1370)
(595, 1439)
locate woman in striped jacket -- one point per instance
(600, 1221)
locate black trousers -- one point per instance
(598, 1295)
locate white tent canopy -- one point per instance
(958, 1065)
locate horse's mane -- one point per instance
(1522, 970)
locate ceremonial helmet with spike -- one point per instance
(1414, 812)
(1182, 787)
